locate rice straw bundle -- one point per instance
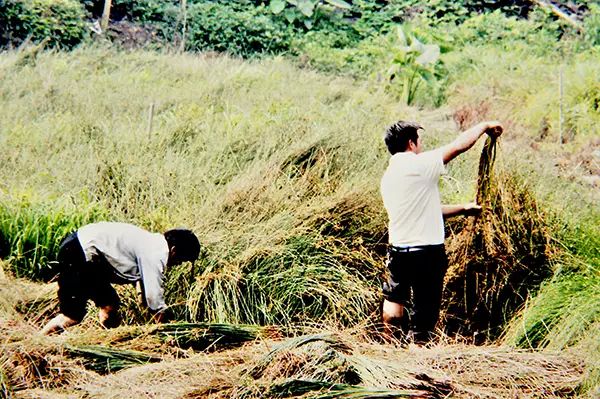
(497, 258)
(202, 336)
(103, 359)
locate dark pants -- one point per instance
(422, 273)
(79, 281)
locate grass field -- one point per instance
(276, 168)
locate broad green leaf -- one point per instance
(427, 76)
(277, 6)
(306, 7)
(402, 37)
(339, 4)
(290, 15)
(308, 23)
(430, 55)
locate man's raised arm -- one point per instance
(468, 138)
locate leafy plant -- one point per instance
(414, 63)
(236, 29)
(592, 25)
(304, 10)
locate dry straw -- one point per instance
(497, 258)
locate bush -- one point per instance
(237, 30)
(496, 28)
(592, 25)
(61, 22)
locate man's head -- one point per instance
(183, 246)
(403, 136)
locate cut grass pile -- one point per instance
(322, 365)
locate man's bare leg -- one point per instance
(58, 324)
(109, 316)
(392, 314)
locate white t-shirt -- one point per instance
(134, 253)
(411, 197)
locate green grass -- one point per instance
(32, 231)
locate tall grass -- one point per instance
(32, 232)
(268, 174)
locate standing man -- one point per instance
(417, 259)
(99, 254)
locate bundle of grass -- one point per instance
(23, 298)
(305, 280)
(325, 390)
(326, 365)
(104, 360)
(203, 336)
(40, 305)
(497, 258)
(131, 346)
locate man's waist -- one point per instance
(414, 248)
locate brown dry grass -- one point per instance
(497, 258)
(316, 364)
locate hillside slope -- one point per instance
(277, 170)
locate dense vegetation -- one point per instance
(275, 161)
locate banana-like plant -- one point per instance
(414, 62)
(304, 10)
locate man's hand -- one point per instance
(494, 129)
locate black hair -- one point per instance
(187, 246)
(398, 136)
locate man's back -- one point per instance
(409, 189)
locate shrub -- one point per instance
(496, 28)
(592, 25)
(237, 30)
(61, 22)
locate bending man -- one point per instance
(417, 259)
(99, 254)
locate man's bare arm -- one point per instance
(469, 209)
(468, 138)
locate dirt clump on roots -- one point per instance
(497, 258)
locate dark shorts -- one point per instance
(416, 280)
(80, 281)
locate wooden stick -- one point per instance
(184, 27)
(105, 15)
(150, 119)
(561, 114)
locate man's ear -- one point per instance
(412, 146)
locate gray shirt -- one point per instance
(134, 253)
